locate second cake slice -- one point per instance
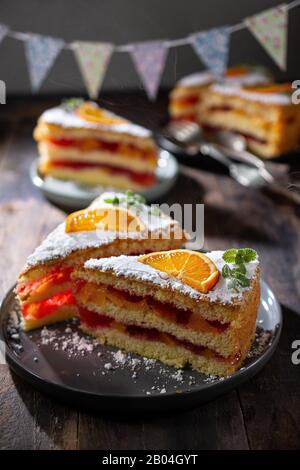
(156, 309)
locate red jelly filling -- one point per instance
(48, 306)
(96, 144)
(188, 100)
(59, 276)
(94, 320)
(145, 179)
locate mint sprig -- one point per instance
(71, 104)
(134, 200)
(236, 274)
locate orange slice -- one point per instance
(192, 268)
(115, 219)
(91, 112)
(237, 71)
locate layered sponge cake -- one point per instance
(264, 114)
(187, 96)
(114, 224)
(180, 307)
(79, 141)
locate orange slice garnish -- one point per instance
(237, 71)
(115, 219)
(192, 268)
(91, 112)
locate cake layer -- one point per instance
(145, 311)
(95, 174)
(138, 164)
(58, 307)
(158, 345)
(45, 286)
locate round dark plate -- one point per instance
(63, 362)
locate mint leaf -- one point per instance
(229, 255)
(241, 268)
(249, 254)
(115, 200)
(226, 271)
(72, 103)
(242, 280)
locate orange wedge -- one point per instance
(115, 219)
(192, 268)
(91, 112)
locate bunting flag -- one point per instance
(149, 59)
(41, 52)
(93, 59)
(3, 31)
(212, 47)
(270, 28)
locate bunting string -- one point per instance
(269, 28)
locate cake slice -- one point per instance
(79, 141)
(186, 97)
(114, 224)
(181, 307)
(264, 114)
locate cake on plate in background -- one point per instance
(187, 95)
(81, 142)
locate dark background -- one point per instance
(123, 21)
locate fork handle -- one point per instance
(214, 152)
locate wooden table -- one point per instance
(262, 414)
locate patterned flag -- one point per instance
(270, 29)
(3, 31)
(212, 47)
(93, 59)
(149, 60)
(41, 52)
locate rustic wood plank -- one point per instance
(270, 401)
(215, 425)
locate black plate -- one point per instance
(100, 379)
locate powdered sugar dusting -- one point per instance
(130, 267)
(266, 98)
(69, 119)
(195, 79)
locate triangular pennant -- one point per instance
(149, 60)
(93, 59)
(212, 47)
(41, 52)
(3, 31)
(270, 29)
